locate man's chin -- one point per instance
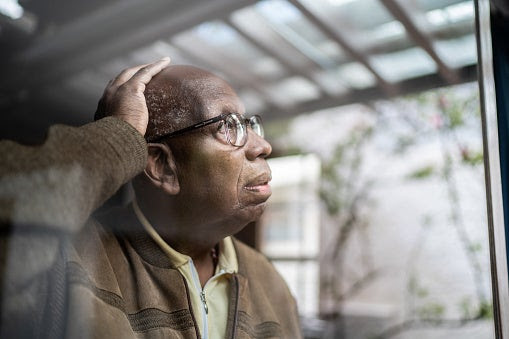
(255, 197)
(252, 211)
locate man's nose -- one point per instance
(257, 146)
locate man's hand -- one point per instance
(124, 98)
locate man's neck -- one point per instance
(205, 266)
(169, 229)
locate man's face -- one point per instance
(220, 182)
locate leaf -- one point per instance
(422, 292)
(472, 158)
(486, 310)
(475, 247)
(422, 173)
(455, 115)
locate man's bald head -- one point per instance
(177, 97)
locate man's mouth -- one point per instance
(260, 184)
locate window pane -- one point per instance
(403, 235)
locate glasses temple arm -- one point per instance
(189, 128)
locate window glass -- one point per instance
(397, 212)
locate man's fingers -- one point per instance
(145, 74)
(124, 76)
(123, 97)
(120, 79)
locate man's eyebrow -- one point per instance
(229, 109)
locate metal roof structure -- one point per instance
(284, 57)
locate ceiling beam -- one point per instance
(233, 70)
(420, 39)
(112, 31)
(255, 24)
(268, 51)
(333, 35)
(419, 84)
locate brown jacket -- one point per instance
(121, 283)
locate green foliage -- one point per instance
(472, 158)
(470, 311)
(438, 115)
(431, 310)
(486, 310)
(467, 309)
(422, 292)
(454, 114)
(332, 202)
(415, 289)
(475, 247)
(453, 110)
(448, 167)
(341, 171)
(422, 173)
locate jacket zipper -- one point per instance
(204, 301)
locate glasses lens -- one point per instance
(256, 125)
(235, 130)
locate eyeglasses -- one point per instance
(235, 126)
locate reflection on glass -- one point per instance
(403, 249)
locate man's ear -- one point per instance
(161, 169)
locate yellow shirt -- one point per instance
(210, 304)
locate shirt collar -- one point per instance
(227, 259)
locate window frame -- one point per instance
(494, 163)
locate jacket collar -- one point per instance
(124, 222)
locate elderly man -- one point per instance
(166, 266)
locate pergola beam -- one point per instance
(423, 83)
(268, 51)
(420, 39)
(124, 27)
(333, 35)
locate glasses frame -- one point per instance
(221, 117)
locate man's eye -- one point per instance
(221, 127)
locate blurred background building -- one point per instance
(378, 216)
